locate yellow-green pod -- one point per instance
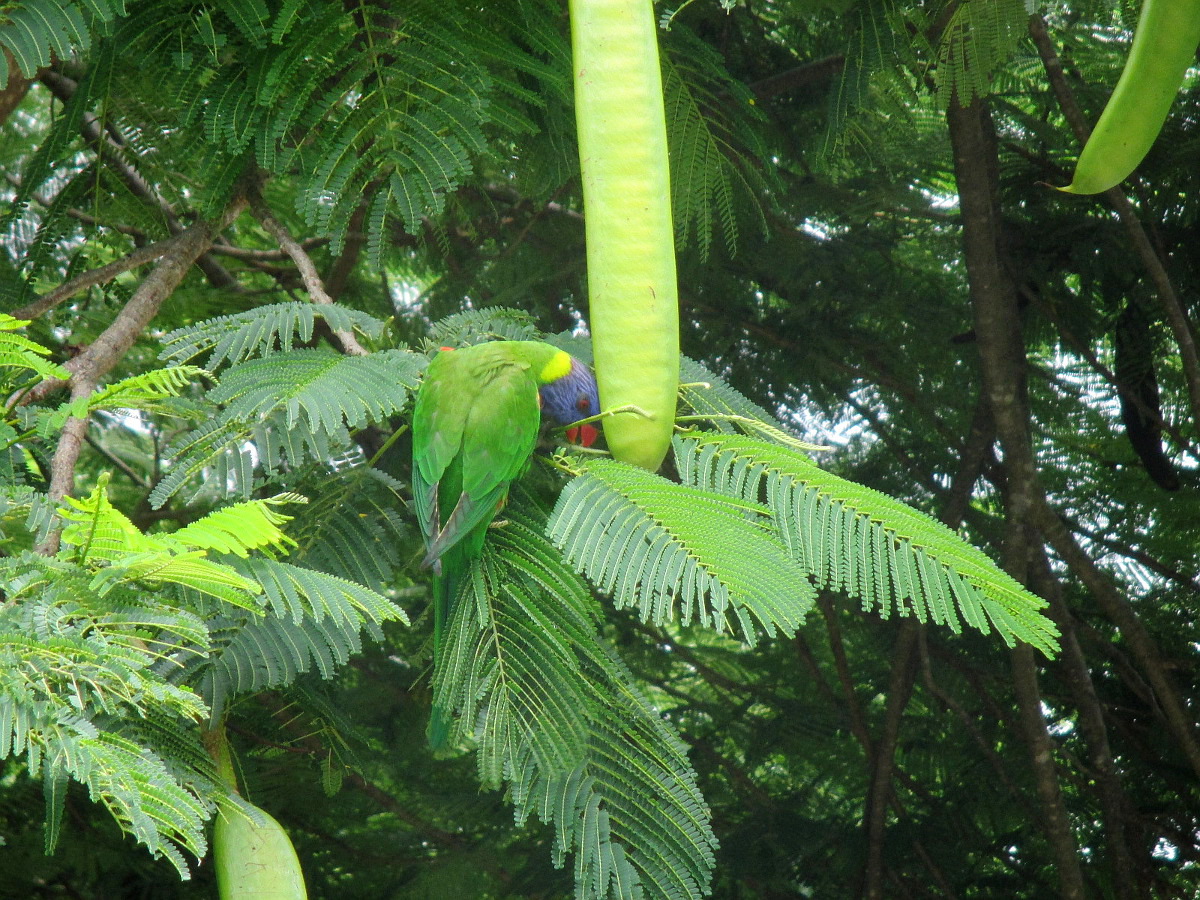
(255, 861)
(633, 298)
(1164, 45)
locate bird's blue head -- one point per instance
(572, 397)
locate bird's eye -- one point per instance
(582, 404)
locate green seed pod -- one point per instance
(253, 861)
(1164, 45)
(632, 292)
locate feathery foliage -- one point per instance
(311, 620)
(658, 546)
(423, 156)
(977, 39)
(716, 157)
(22, 359)
(35, 30)
(853, 539)
(554, 713)
(473, 326)
(115, 650)
(289, 406)
(260, 331)
(145, 391)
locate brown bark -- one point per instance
(1003, 366)
(16, 88)
(883, 760)
(107, 350)
(858, 722)
(1113, 801)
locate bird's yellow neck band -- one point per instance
(558, 367)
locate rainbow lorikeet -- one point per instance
(475, 426)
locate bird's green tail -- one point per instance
(456, 565)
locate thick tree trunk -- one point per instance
(1003, 366)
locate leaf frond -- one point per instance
(665, 549)
(853, 539)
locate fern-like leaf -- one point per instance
(312, 619)
(19, 355)
(96, 532)
(854, 539)
(979, 37)
(238, 529)
(713, 171)
(36, 30)
(145, 391)
(324, 389)
(655, 545)
(261, 331)
(557, 716)
(474, 326)
(75, 664)
(290, 405)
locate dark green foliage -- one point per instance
(656, 546)
(746, 680)
(291, 406)
(34, 30)
(855, 540)
(264, 329)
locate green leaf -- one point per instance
(851, 538)
(657, 546)
(556, 715)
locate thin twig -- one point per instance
(246, 255)
(112, 344)
(130, 472)
(92, 277)
(304, 263)
(137, 234)
(108, 146)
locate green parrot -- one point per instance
(475, 426)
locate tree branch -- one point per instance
(247, 255)
(112, 344)
(976, 451)
(1003, 367)
(139, 236)
(16, 88)
(106, 146)
(107, 350)
(858, 722)
(304, 263)
(101, 275)
(1095, 730)
(819, 70)
(1168, 701)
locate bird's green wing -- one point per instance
(473, 436)
(474, 429)
(439, 417)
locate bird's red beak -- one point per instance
(584, 435)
